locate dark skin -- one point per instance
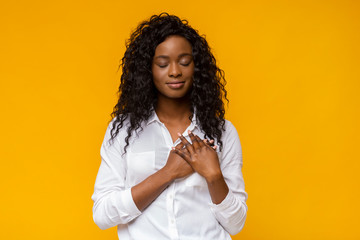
(173, 69)
(204, 160)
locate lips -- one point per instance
(175, 85)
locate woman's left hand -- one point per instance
(202, 157)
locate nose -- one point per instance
(174, 70)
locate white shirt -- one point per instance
(184, 210)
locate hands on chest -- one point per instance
(199, 156)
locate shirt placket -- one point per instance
(170, 191)
(170, 210)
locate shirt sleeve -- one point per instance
(231, 212)
(113, 202)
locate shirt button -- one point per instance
(171, 196)
(172, 221)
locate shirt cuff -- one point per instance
(129, 203)
(226, 203)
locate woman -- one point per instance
(160, 177)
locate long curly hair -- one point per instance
(137, 92)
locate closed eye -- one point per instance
(185, 64)
(185, 60)
(162, 66)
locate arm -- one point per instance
(231, 212)
(204, 161)
(224, 178)
(114, 203)
(149, 189)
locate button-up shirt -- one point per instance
(184, 210)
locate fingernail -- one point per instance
(173, 148)
(179, 134)
(189, 131)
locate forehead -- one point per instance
(174, 45)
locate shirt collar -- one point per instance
(153, 118)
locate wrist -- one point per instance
(217, 187)
(214, 178)
(167, 175)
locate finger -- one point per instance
(210, 144)
(187, 145)
(206, 142)
(194, 140)
(201, 143)
(182, 154)
(212, 147)
(179, 146)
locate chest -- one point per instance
(149, 150)
(174, 130)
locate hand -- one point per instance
(210, 143)
(176, 166)
(145, 192)
(201, 156)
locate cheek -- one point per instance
(158, 74)
(158, 78)
(190, 71)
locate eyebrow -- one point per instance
(180, 56)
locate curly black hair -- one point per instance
(137, 92)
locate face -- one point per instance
(173, 67)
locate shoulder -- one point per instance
(230, 130)
(111, 129)
(230, 138)
(114, 124)
(229, 125)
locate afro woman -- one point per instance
(170, 163)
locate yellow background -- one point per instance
(293, 80)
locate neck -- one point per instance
(169, 109)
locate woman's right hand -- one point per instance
(149, 189)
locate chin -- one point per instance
(178, 95)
